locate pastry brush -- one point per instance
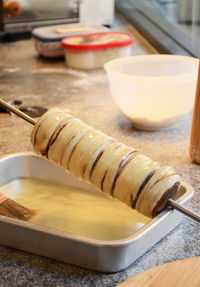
(10, 208)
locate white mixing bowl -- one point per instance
(153, 91)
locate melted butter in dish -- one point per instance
(75, 210)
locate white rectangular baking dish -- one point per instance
(85, 251)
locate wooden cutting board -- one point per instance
(182, 273)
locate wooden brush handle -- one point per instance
(195, 132)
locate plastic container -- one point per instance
(94, 50)
(153, 91)
(48, 39)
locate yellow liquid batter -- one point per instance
(75, 210)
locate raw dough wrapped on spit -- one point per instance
(114, 168)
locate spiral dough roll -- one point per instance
(112, 167)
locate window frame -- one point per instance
(163, 35)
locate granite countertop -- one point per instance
(49, 83)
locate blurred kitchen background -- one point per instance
(34, 13)
(172, 26)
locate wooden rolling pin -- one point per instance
(182, 273)
(195, 132)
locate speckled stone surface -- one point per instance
(36, 81)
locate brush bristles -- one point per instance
(13, 209)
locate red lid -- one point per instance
(98, 41)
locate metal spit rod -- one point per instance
(17, 112)
(171, 202)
